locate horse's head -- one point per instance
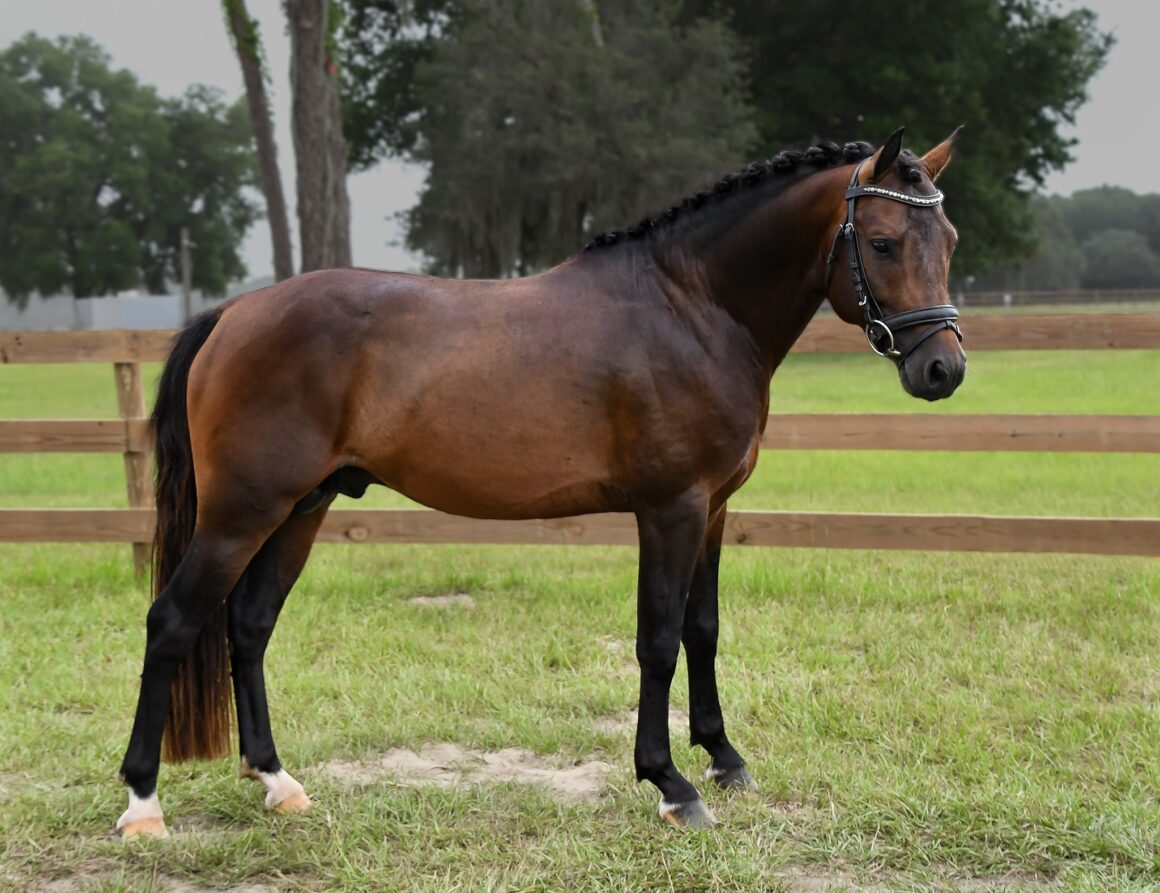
(896, 243)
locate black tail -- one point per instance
(198, 724)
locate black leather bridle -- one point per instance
(880, 328)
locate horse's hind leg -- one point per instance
(726, 768)
(211, 566)
(253, 610)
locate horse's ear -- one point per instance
(937, 158)
(880, 163)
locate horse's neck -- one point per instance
(766, 267)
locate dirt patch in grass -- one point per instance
(106, 878)
(81, 883)
(626, 722)
(11, 782)
(616, 646)
(1008, 883)
(447, 600)
(805, 880)
(449, 765)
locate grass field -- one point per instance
(916, 721)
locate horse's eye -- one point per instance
(880, 245)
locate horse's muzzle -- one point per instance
(934, 372)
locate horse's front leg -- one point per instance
(670, 541)
(726, 768)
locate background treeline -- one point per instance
(541, 124)
(545, 123)
(1108, 237)
(99, 175)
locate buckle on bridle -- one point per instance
(890, 351)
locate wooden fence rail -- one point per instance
(130, 436)
(829, 530)
(785, 431)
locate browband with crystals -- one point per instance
(922, 201)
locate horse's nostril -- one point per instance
(937, 373)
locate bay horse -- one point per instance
(633, 377)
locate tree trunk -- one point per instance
(319, 147)
(589, 7)
(245, 34)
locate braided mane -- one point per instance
(785, 165)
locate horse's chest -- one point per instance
(716, 450)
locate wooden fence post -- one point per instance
(131, 405)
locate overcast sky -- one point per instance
(174, 43)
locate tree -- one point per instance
(1055, 264)
(1065, 225)
(1090, 211)
(384, 42)
(1013, 71)
(248, 45)
(1150, 220)
(319, 145)
(545, 123)
(1118, 258)
(98, 175)
(211, 145)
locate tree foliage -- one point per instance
(1013, 71)
(1119, 258)
(1090, 211)
(383, 43)
(1056, 263)
(1106, 237)
(98, 175)
(541, 125)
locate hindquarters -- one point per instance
(199, 706)
(244, 431)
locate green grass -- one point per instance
(913, 719)
(1089, 308)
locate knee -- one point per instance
(700, 633)
(658, 656)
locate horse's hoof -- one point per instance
(694, 814)
(143, 818)
(295, 804)
(151, 827)
(736, 779)
(284, 794)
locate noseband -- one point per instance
(880, 328)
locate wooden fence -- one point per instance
(129, 435)
(1092, 297)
